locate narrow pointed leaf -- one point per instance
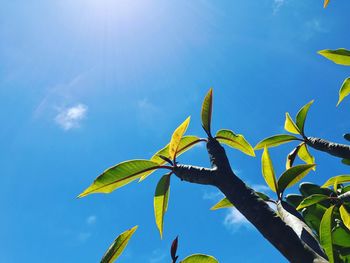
(326, 2)
(207, 109)
(346, 161)
(223, 203)
(301, 116)
(305, 155)
(293, 175)
(344, 90)
(200, 258)
(340, 179)
(291, 157)
(326, 233)
(120, 175)
(115, 250)
(345, 216)
(275, 141)
(347, 136)
(161, 198)
(339, 56)
(236, 141)
(268, 170)
(311, 200)
(173, 249)
(290, 126)
(176, 138)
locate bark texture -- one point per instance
(335, 149)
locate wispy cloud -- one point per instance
(234, 220)
(313, 27)
(147, 111)
(70, 118)
(91, 220)
(158, 256)
(277, 4)
(261, 188)
(212, 195)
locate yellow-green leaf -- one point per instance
(344, 90)
(275, 141)
(311, 200)
(223, 203)
(305, 155)
(207, 110)
(339, 56)
(301, 116)
(199, 258)
(293, 175)
(345, 216)
(290, 126)
(236, 141)
(160, 201)
(339, 179)
(268, 170)
(118, 246)
(120, 175)
(326, 233)
(326, 2)
(176, 138)
(346, 161)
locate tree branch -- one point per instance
(195, 174)
(336, 149)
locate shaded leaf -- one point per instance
(176, 138)
(200, 258)
(294, 199)
(307, 189)
(120, 175)
(173, 249)
(345, 216)
(339, 56)
(275, 141)
(301, 116)
(207, 109)
(347, 136)
(313, 215)
(346, 161)
(118, 246)
(344, 90)
(268, 170)
(293, 175)
(236, 141)
(291, 157)
(305, 155)
(290, 126)
(326, 233)
(341, 236)
(160, 202)
(311, 200)
(339, 179)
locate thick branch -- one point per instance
(195, 174)
(336, 149)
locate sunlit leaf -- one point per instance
(291, 157)
(344, 90)
(326, 2)
(268, 170)
(207, 109)
(301, 116)
(311, 200)
(223, 203)
(236, 141)
(340, 179)
(290, 126)
(160, 201)
(200, 258)
(345, 216)
(346, 161)
(305, 155)
(326, 234)
(120, 175)
(275, 141)
(176, 138)
(341, 236)
(339, 56)
(118, 246)
(293, 175)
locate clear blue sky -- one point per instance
(86, 84)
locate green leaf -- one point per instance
(347, 136)
(291, 157)
(341, 236)
(339, 56)
(307, 189)
(290, 126)
(275, 141)
(326, 233)
(345, 216)
(305, 155)
(293, 175)
(313, 215)
(223, 203)
(236, 141)
(120, 175)
(200, 258)
(268, 170)
(311, 200)
(207, 110)
(301, 116)
(340, 179)
(176, 138)
(160, 201)
(294, 199)
(346, 161)
(118, 246)
(325, 3)
(344, 90)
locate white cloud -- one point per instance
(212, 195)
(70, 118)
(91, 220)
(84, 236)
(260, 188)
(277, 4)
(158, 256)
(234, 220)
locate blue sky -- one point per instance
(86, 84)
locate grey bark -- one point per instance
(335, 149)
